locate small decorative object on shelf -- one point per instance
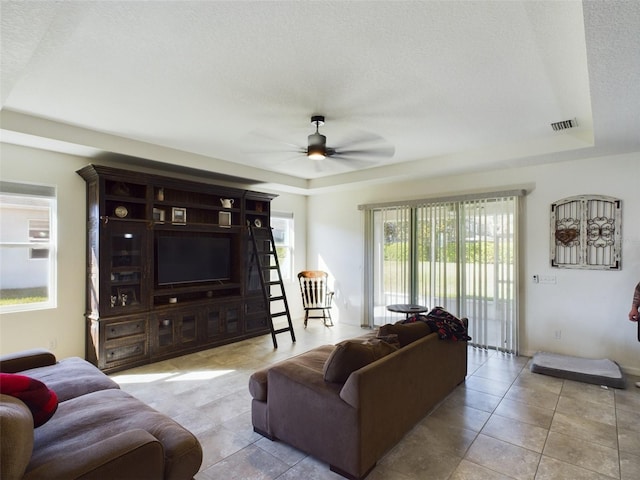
(120, 188)
(258, 206)
(226, 202)
(179, 216)
(257, 222)
(158, 215)
(114, 299)
(224, 219)
(127, 296)
(160, 195)
(121, 211)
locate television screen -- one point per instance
(193, 259)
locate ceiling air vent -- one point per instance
(564, 125)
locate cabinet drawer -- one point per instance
(125, 328)
(125, 353)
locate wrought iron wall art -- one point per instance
(586, 232)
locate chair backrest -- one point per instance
(314, 290)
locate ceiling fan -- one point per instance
(317, 148)
(357, 150)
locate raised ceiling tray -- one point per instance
(597, 371)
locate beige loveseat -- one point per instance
(351, 425)
(97, 432)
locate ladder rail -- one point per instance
(257, 256)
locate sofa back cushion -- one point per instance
(16, 441)
(349, 356)
(407, 332)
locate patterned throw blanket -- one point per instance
(447, 325)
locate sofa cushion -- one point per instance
(313, 359)
(72, 377)
(93, 418)
(407, 332)
(16, 440)
(349, 356)
(41, 400)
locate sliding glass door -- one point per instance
(391, 272)
(459, 254)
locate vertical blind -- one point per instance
(460, 254)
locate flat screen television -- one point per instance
(192, 259)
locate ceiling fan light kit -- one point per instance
(316, 152)
(317, 143)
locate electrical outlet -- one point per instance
(558, 334)
(53, 344)
(548, 279)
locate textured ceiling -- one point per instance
(449, 86)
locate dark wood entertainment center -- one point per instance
(132, 318)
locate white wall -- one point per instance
(589, 307)
(62, 329)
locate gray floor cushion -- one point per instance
(597, 371)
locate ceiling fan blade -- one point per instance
(362, 138)
(269, 142)
(386, 151)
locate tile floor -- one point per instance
(504, 422)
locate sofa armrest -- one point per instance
(16, 437)
(25, 360)
(131, 454)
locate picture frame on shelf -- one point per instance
(158, 215)
(179, 216)
(224, 219)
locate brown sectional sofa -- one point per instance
(351, 425)
(97, 432)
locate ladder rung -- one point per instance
(285, 329)
(270, 267)
(273, 283)
(279, 314)
(275, 299)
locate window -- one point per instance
(282, 224)
(459, 254)
(39, 233)
(27, 247)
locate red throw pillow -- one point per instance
(42, 401)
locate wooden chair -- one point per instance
(316, 295)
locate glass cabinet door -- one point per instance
(125, 269)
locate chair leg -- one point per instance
(328, 316)
(306, 317)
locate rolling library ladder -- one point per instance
(264, 257)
